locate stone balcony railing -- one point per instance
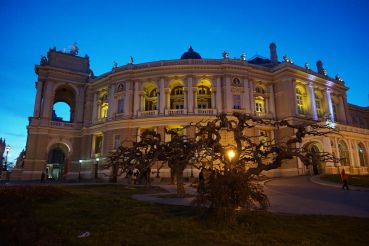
(147, 113)
(54, 124)
(205, 111)
(175, 111)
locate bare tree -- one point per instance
(234, 167)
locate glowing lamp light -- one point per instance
(231, 154)
(98, 159)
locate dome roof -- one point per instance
(191, 54)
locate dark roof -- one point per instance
(257, 60)
(191, 54)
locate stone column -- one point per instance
(136, 99)
(111, 101)
(219, 106)
(312, 101)
(352, 153)
(294, 99)
(94, 107)
(47, 106)
(142, 101)
(212, 99)
(329, 103)
(194, 91)
(229, 98)
(162, 97)
(185, 92)
(252, 98)
(79, 107)
(246, 96)
(167, 98)
(127, 99)
(342, 109)
(190, 95)
(271, 100)
(37, 108)
(327, 148)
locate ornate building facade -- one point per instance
(116, 106)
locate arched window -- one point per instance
(344, 154)
(102, 105)
(150, 97)
(259, 104)
(61, 112)
(300, 101)
(177, 97)
(203, 96)
(362, 155)
(318, 104)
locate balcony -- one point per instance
(148, 113)
(175, 111)
(54, 124)
(205, 111)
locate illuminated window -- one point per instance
(259, 104)
(178, 91)
(202, 105)
(97, 145)
(102, 105)
(362, 154)
(236, 101)
(116, 141)
(344, 154)
(300, 101)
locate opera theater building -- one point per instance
(117, 106)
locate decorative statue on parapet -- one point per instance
(130, 60)
(43, 61)
(74, 49)
(225, 55)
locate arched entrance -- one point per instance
(313, 149)
(56, 161)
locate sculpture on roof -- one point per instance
(243, 56)
(307, 66)
(130, 60)
(273, 52)
(43, 61)
(225, 55)
(319, 65)
(74, 49)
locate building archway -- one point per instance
(57, 161)
(150, 97)
(64, 94)
(203, 98)
(176, 95)
(344, 153)
(314, 150)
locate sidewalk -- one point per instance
(317, 180)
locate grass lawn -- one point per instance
(355, 180)
(113, 218)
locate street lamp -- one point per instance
(231, 154)
(79, 170)
(97, 164)
(7, 149)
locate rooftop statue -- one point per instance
(243, 56)
(74, 49)
(130, 60)
(225, 55)
(43, 61)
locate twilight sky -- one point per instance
(335, 31)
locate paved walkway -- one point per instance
(295, 195)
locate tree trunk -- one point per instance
(172, 176)
(180, 186)
(114, 177)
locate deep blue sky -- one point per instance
(337, 32)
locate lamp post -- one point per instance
(7, 149)
(79, 170)
(97, 164)
(231, 154)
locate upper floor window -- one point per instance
(259, 105)
(300, 101)
(153, 93)
(120, 106)
(97, 145)
(259, 90)
(202, 90)
(236, 101)
(116, 141)
(102, 105)
(178, 91)
(318, 107)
